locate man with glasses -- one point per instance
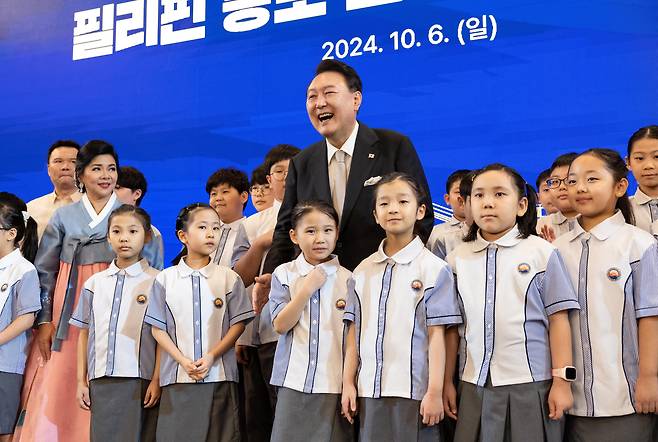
(552, 226)
(61, 170)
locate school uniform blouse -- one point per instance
(19, 295)
(613, 267)
(309, 358)
(196, 308)
(392, 301)
(112, 306)
(507, 289)
(450, 240)
(645, 210)
(439, 231)
(224, 253)
(558, 222)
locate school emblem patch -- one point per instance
(4, 287)
(523, 268)
(218, 302)
(340, 304)
(614, 274)
(417, 284)
(141, 299)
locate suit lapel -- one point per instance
(364, 158)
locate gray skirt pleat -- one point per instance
(10, 399)
(629, 428)
(393, 419)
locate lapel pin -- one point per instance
(218, 302)
(340, 304)
(371, 155)
(613, 274)
(141, 299)
(417, 285)
(4, 287)
(523, 267)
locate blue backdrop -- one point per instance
(500, 80)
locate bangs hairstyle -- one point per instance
(280, 152)
(11, 217)
(132, 179)
(235, 178)
(542, 178)
(642, 133)
(259, 176)
(527, 224)
(616, 165)
(86, 155)
(352, 79)
(563, 160)
(183, 220)
(306, 207)
(126, 209)
(419, 193)
(466, 184)
(457, 175)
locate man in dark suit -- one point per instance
(342, 169)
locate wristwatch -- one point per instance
(567, 373)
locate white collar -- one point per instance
(97, 218)
(642, 198)
(453, 221)
(10, 259)
(347, 147)
(132, 270)
(510, 239)
(184, 270)
(404, 256)
(74, 197)
(235, 223)
(601, 231)
(330, 267)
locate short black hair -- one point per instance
(351, 77)
(132, 179)
(563, 160)
(466, 184)
(543, 176)
(88, 152)
(259, 176)
(61, 143)
(233, 177)
(280, 152)
(457, 175)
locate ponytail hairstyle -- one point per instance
(136, 211)
(640, 134)
(617, 167)
(419, 193)
(13, 215)
(527, 223)
(183, 221)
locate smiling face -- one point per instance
(202, 234)
(99, 178)
(126, 236)
(332, 107)
(643, 162)
(227, 202)
(316, 235)
(495, 204)
(592, 188)
(397, 209)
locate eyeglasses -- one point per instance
(260, 188)
(554, 183)
(279, 175)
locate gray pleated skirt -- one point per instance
(117, 410)
(510, 413)
(393, 419)
(630, 428)
(199, 412)
(10, 399)
(302, 417)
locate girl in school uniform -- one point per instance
(197, 310)
(73, 247)
(399, 300)
(613, 265)
(514, 294)
(307, 301)
(118, 365)
(19, 302)
(642, 160)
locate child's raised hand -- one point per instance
(646, 394)
(264, 241)
(348, 403)
(560, 399)
(431, 408)
(315, 279)
(152, 395)
(547, 233)
(203, 365)
(450, 399)
(260, 295)
(82, 395)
